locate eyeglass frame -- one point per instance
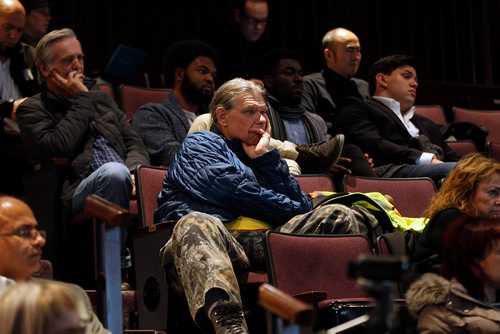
(254, 21)
(27, 233)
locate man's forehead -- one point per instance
(249, 99)
(14, 214)
(407, 68)
(203, 61)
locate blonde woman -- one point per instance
(471, 189)
(41, 307)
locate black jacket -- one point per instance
(24, 74)
(55, 127)
(374, 128)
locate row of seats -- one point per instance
(489, 119)
(130, 98)
(149, 239)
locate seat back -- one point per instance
(108, 89)
(301, 263)
(494, 150)
(463, 147)
(133, 97)
(490, 119)
(412, 196)
(433, 112)
(311, 182)
(149, 183)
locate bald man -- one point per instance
(21, 244)
(17, 80)
(323, 91)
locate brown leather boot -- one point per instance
(316, 158)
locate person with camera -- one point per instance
(465, 298)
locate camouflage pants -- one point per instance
(202, 254)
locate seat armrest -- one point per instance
(285, 306)
(311, 296)
(109, 213)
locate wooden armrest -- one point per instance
(285, 306)
(311, 296)
(109, 213)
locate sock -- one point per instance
(212, 296)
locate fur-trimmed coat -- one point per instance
(443, 306)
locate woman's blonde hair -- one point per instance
(460, 184)
(29, 307)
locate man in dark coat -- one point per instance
(386, 127)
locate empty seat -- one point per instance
(312, 182)
(490, 119)
(132, 97)
(316, 266)
(433, 112)
(463, 147)
(494, 150)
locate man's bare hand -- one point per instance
(72, 85)
(369, 160)
(340, 167)
(253, 151)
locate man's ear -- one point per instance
(221, 114)
(329, 55)
(178, 76)
(44, 70)
(267, 80)
(381, 80)
(237, 16)
(179, 73)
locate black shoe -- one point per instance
(316, 158)
(228, 318)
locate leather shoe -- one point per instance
(316, 158)
(228, 318)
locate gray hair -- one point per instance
(227, 94)
(44, 53)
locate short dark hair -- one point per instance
(386, 65)
(466, 242)
(269, 60)
(182, 53)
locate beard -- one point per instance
(193, 93)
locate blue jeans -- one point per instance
(434, 171)
(111, 181)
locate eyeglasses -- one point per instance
(253, 21)
(27, 233)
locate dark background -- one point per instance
(457, 41)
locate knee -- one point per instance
(115, 173)
(197, 223)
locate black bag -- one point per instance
(466, 131)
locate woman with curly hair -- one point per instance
(465, 298)
(472, 189)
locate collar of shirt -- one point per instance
(396, 109)
(5, 282)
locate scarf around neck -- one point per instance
(279, 111)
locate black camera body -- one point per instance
(379, 268)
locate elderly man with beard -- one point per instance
(191, 66)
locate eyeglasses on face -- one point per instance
(254, 21)
(27, 233)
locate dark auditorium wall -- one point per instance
(457, 41)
